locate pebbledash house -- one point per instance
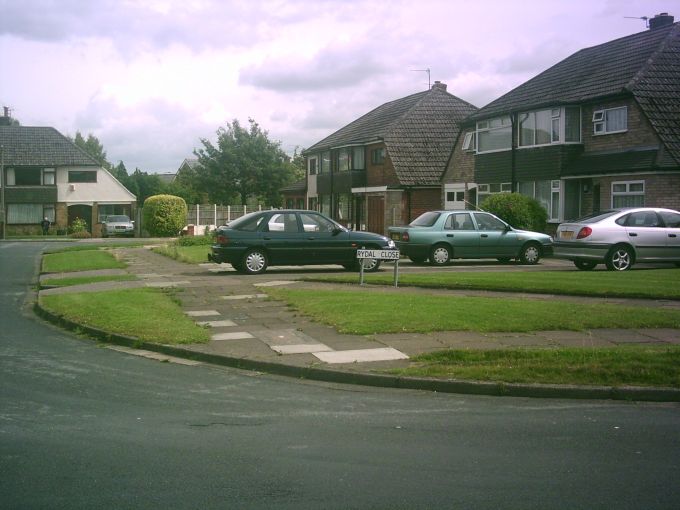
(598, 130)
(46, 175)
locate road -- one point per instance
(83, 426)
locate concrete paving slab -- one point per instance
(360, 355)
(623, 336)
(300, 348)
(664, 335)
(284, 336)
(217, 324)
(274, 283)
(202, 313)
(239, 335)
(241, 297)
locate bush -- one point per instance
(77, 225)
(80, 234)
(164, 215)
(518, 210)
(207, 239)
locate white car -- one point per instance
(620, 237)
(118, 225)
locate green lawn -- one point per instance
(188, 254)
(365, 313)
(126, 312)
(83, 280)
(653, 283)
(70, 261)
(616, 366)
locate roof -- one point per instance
(419, 132)
(645, 65)
(168, 177)
(41, 146)
(296, 187)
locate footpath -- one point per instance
(252, 332)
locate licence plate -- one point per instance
(566, 234)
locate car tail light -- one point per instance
(222, 239)
(404, 236)
(584, 232)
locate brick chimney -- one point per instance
(439, 85)
(5, 120)
(661, 20)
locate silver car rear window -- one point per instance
(596, 216)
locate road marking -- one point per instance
(217, 324)
(300, 348)
(202, 313)
(361, 355)
(241, 335)
(244, 296)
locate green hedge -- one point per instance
(164, 215)
(518, 210)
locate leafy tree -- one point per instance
(144, 185)
(244, 163)
(93, 147)
(518, 210)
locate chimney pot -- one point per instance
(662, 19)
(439, 85)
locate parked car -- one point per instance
(118, 225)
(620, 237)
(292, 237)
(444, 235)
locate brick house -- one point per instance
(385, 167)
(597, 130)
(46, 175)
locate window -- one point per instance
(358, 160)
(49, 177)
(494, 134)
(49, 212)
(640, 219)
(313, 204)
(487, 222)
(547, 193)
(378, 156)
(545, 127)
(628, 194)
(455, 196)
(572, 124)
(342, 206)
(325, 162)
(343, 160)
(82, 176)
(613, 120)
(25, 214)
(317, 223)
(469, 141)
(670, 219)
(311, 163)
(106, 210)
(459, 221)
(325, 204)
(27, 177)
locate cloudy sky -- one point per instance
(150, 78)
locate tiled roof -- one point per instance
(645, 65)
(40, 146)
(419, 132)
(298, 186)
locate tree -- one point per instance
(518, 210)
(244, 163)
(93, 147)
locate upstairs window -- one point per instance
(311, 164)
(82, 176)
(544, 127)
(343, 160)
(358, 162)
(469, 141)
(378, 156)
(494, 134)
(325, 162)
(612, 120)
(49, 177)
(27, 177)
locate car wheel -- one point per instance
(585, 265)
(417, 260)
(619, 258)
(503, 260)
(440, 255)
(370, 265)
(254, 261)
(530, 254)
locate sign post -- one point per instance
(380, 255)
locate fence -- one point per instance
(213, 214)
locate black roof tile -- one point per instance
(40, 146)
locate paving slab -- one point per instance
(360, 355)
(202, 313)
(300, 348)
(217, 324)
(237, 335)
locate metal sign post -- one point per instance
(380, 255)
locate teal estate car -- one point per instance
(444, 235)
(292, 237)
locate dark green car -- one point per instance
(439, 236)
(292, 237)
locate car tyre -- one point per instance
(370, 265)
(530, 254)
(440, 255)
(585, 265)
(619, 258)
(254, 261)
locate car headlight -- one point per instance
(391, 244)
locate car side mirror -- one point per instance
(336, 231)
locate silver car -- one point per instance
(118, 225)
(620, 237)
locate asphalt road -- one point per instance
(82, 426)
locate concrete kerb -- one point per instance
(630, 393)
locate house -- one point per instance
(44, 174)
(385, 168)
(597, 130)
(295, 195)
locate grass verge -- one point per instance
(616, 366)
(656, 283)
(188, 254)
(366, 313)
(126, 312)
(83, 280)
(70, 261)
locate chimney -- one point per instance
(439, 85)
(5, 120)
(661, 20)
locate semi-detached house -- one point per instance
(600, 129)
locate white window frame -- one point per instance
(600, 121)
(53, 173)
(558, 116)
(316, 166)
(469, 141)
(485, 126)
(628, 192)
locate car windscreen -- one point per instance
(249, 222)
(597, 216)
(118, 219)
(426, 219)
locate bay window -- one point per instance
(550, 126)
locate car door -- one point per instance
(671, 222)
(324, 242)
(460, 232)
(284, 240)
(646, 233)
(495, 238)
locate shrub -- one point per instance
(77, 225)
(80, 234)
(518, 210)
(164, 215)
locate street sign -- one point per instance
(378, 254)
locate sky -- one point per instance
(152, 78)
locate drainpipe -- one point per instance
(3, 213)
(514, 139)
